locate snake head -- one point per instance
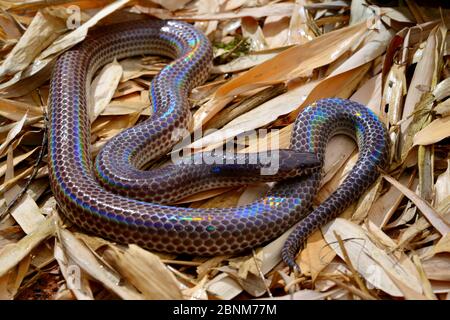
(263, 166)
(293, 163)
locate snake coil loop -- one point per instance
(116, 199)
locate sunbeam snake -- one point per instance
(115, 198)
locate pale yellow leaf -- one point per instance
(443, 108)
(16, 160)
(246, 62)
(300, 30)
(297, 61)
(171, 4)
(369, 94)
(421, 83)
(41, 66)
(433, 217)
(103, 87)
(436, 131)
(276, 31)
(134, 68)
(26, 212)
(442, 90)
(385, 206)
(146, 272)
(316, 255)
(442, 187)
(368, 259)
(16, 110)
(80, 254)
(259, 116)
(80, 33)
(12, 134)
(437, 267)
(443, 244)
(12, 254)
(42, 31)
(272, 9)
(223, 287)
(76, 280)
(252, 31)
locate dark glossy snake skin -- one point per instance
(116, 199)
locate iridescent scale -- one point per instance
(116, 199)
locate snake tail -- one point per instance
(312, 131)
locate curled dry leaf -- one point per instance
(295, 62)
(437, 267)
(276, 31)
(26, 212)
(12, 254)
(443, 244)
(17, 160)
(16, 110)
(442, 188)
(416, 109)
(385, 206)
(252, 284)
(103, 88)
(292, 63)
(316, 256)
(135, 68)
(10, 282)
(436, 131)
(44, 60)
(171, 4)
(246, 62)
(369, 260)
(12, 134)
(146, 272)
(429, 212)
(76, 279)
(42, 31)
(443, 108)
(252, 31)
(80, 33)
(84, 259)
(258, 117)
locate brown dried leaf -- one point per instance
(42, 31)
(436, 131)
(103, 88)
(433, 217)
(82, 257)
(369, 260)
(146, 272)
(12, 254)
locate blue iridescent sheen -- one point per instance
(106, 198)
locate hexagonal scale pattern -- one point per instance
(116, 199)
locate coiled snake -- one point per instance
(115, 198)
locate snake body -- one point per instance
(115, 198)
